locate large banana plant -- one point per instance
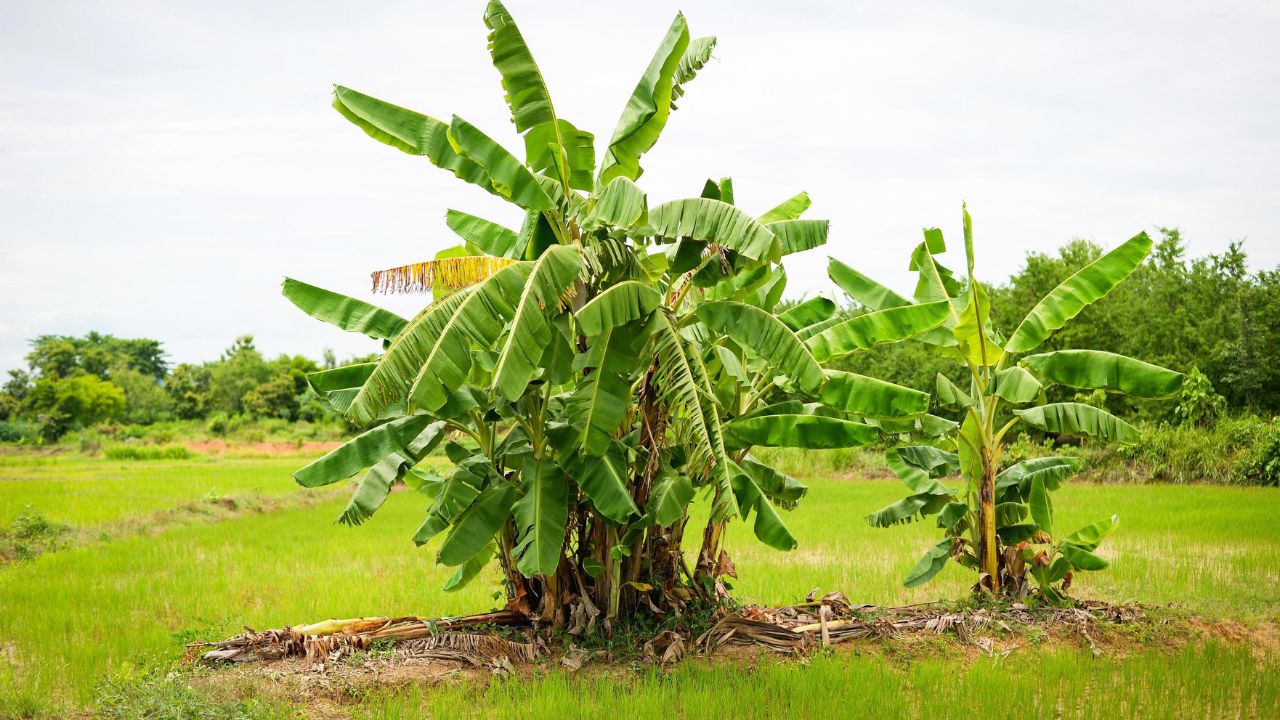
(593, 373)
(1000, 522)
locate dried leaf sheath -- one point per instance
(450, 273)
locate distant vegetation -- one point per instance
(74, 383)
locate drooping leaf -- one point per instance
(950, 395)
(716, 222)
(1051, 470)
(1079, 419)
(600, 401)
(908, 509)
(376, 484)
(780, 488)
(1091, 536)
(1041, 505)
(790, 209)
(1096, 369)
(1014, 534)
(346, 312)
(811, 432)
(800, 235)
(605, 480)
(685, 388)
(648, 108)
(808, 313)
(1086, 286)
(864, 332)
(767, 336)
(934, 559)
(694, 59)
(477, 525)
(1082, 559)
(1016, 385)
(507, 175)
(468, 570)
(531, 331)
(408, 131)
(621, 304)
(867, 292)
(390, 380)
(621, 204)
(490, 237)
(671, 494)
(478, 320)
(362, 451)
(341, 378)
(870, 397)
(540, 516)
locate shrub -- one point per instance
(19, 431)
(137, 451)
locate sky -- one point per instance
(164, 165)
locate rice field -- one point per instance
(70, 618)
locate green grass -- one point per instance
(85, 492)
(1036, 684)
(70, 617)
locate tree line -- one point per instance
(77, 382)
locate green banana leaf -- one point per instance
(1016, 385)
(606, 481)
(790, 209)
(883, 326)
(1091, 536)
(718, 222)
(1090, 284)
(409, 132)
(766, 336)
(346, 312)
(531, 330)
(362, 451)
(621, 204)
(950, 395)
(1079, 419)
(375, 486)
(476, 526)
(341, 378)
(508, 176)
(478, 320)
(390, 381)
(492, 238)
(623, 303)
(934, 559)
(808, 313)
(599, 402)
(867, 292)
(671, 494)
(648, 108)
(540, 516)
(810, 432)
(871, 397)
(1096, 369)
(800, 235)
(1041, 505)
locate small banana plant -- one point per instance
(1000, 522)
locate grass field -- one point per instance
(69, 618)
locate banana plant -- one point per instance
(595, 372)
(1000, 522)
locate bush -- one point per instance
(20, 431)
(138, 451)
(1259, 464)
(30, 535)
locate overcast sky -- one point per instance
(164, 165)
